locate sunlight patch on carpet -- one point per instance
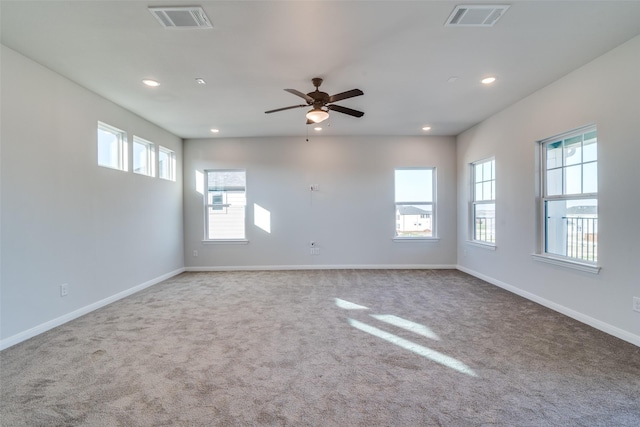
(407, 325)
(349, 305)
(430, 354)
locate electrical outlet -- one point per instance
(64, 290)
(636, 304)
(195, 253)
(314, 251)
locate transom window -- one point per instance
(483, 201)
(166, 164)
(144, 157)
(112, 147)
(570, 195)
(415, 202)
(225, 204)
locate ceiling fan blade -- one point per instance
(344, 95)
(345, 110)
(301, 95)
(285, 108)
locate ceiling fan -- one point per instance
(321, 103)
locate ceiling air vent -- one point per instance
(181, 17)
(475, 15)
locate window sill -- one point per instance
(487, 246)
(575, 265)
(416, 239)
(226, 242)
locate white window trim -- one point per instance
(150, 155)
(542, 255)
(123, 147)
(434, 223)
(481, 244)
(473, 203)
(415, 239)
(567, 262)
(223, 241)
(226, 242)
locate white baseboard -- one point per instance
(325, 267)
(36, 330)
(580, 317)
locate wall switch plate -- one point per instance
(636, 304)
(64, 290)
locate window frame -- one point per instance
(580, 263)
(171, 167)
(122, 147)
(432, 203)
(149, 154)
(474, 202)
(223, 209)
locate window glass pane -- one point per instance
(479, 195)
(414, 220)
(573, 179)
(486, 191)
(590, 178)
(484, 228)
(227, 223)
(572, 228)
(108, 149)
(166, 164)
(227, 180)
(479, 171)
(413, 185)
(554, 155)
(163, 164)
(226, 202)
(573, 150)
(487, 171)
(554, 182)
(140, 158)
(590, 147)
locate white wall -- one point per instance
(605, 92)
(351, 217)
(64, 218)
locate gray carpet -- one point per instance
(322, 348)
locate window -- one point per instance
(144, 157)
(225, 204)
(570, 195)
(415, 202)
(166, 163)
(112, 147)
(483, 201)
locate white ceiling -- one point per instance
(399, 53)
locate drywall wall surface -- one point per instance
(66, 220)
(604, 92)
(351, 217)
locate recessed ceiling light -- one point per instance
(318, 129)
(215, 130)
(150, 83)
(426, 128)
(488, 80)
(201, 81)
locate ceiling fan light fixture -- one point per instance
(317, 115)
